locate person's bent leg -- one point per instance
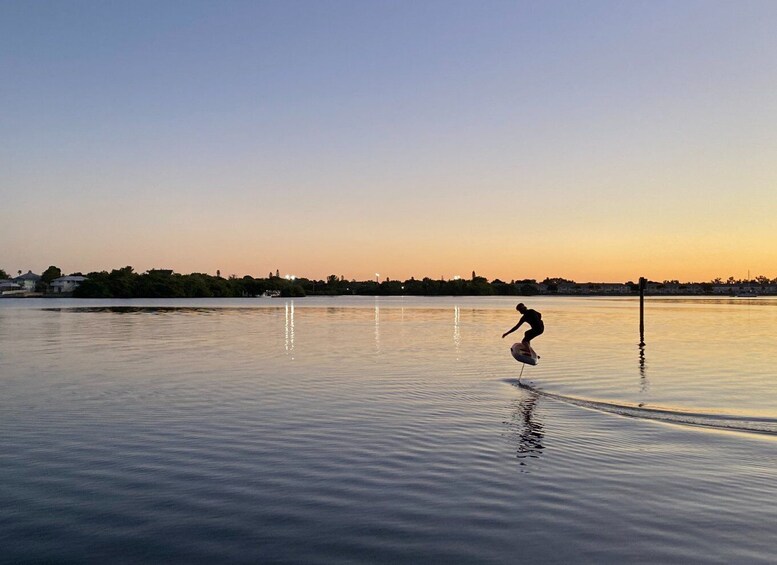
(527, 337)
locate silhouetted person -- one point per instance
(534, 319)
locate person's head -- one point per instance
(521, 308)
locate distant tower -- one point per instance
(277, 273)
(218, 273)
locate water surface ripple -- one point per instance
(381, 431)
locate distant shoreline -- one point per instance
(165, 283)
(282, 294)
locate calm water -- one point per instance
(327, 430)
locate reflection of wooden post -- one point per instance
(642, 284)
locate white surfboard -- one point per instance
(521, 354)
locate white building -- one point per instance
(27, 281)
(63, 285)
(8, 288)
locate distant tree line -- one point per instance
(160, 283)
(164, 283)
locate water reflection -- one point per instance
(456, 329)
(141, 309)
(526, 429)
(377, 325)
(644, 384)
(290, 327)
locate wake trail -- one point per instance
(750, 424)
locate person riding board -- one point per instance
(534, 319)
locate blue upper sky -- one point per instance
(411, 138)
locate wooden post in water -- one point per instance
(642, 285)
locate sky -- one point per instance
(591, 140)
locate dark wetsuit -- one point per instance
(534, 319)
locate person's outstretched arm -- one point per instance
(515, 327)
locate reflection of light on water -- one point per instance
(290, 327)
(456, 329)
(377, 324)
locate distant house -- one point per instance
(8, 287)
(27, 281)
(615, 288)
(569, 287)
(62, 285)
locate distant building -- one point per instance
(62, 285)
(27, 281)
(8, 287)
(568, 287)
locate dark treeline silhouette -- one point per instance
(165, 283)
(160, 283)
